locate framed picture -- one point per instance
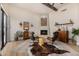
(43, 21)
(25, 25)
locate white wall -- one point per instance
(18, 15)
(72, 13)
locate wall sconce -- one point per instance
(20, 24)
(31, 25)
(56, 23)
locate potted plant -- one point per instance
(75, 36)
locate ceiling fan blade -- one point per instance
(50, 6)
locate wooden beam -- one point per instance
(50, 6)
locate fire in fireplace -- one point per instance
(44, 32)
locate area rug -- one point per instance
(46, 49)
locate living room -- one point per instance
(41, 19)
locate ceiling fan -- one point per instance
(51, 5)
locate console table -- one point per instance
(63, 36)
(25, 35)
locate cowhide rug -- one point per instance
(37, 50)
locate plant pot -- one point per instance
(74, 42)
(77, 40)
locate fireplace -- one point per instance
(44, 32)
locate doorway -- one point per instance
(4, 28)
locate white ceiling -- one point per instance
(36, 7)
